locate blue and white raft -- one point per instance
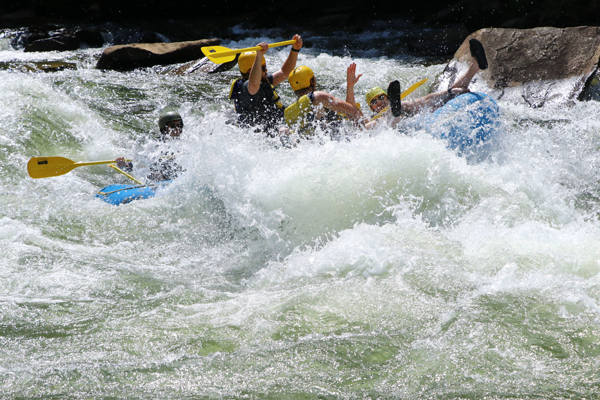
(122, 194)
(468, 123)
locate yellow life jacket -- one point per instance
(234, 89)
(299, 114)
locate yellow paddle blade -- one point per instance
(221, 55)
(412, 89)
(214, 54)
(45, 167)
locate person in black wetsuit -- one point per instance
(165, 168)
(256, 102)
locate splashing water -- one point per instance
(383, 266)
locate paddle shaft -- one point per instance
(113, 166)
(255, 48)
(84, 163)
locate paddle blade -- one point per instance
(45, 167)
(215, 54)
(221, 55)
(412, 88)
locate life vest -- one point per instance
(234, 94)
(277, 99)
(300, 115)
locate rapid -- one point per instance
(382, 266)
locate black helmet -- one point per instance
(168, 117)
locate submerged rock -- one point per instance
(63, 42)
(40, 66)
(534, 66)
(142, 55)
(203, 66)
(36, 39)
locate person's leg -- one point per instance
(409, 108)
(478, 62)
(464, 81)
(433, 101)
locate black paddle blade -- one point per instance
(394, 93)
(478, 52)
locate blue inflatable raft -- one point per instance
(468, 123)
(122, 194)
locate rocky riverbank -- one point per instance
(47, 25)
(137, 35)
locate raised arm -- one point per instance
(340, 106)
(351, 80)
(289, 64)
(256, 71)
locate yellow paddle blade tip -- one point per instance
(45, 167)
(213, 51)
(35, 166)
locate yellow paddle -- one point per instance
(45, 167)
(221, 55)
(402, 96)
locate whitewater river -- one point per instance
(383, 266)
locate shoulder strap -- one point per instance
(276, 99)
(234, 93)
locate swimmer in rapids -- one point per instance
(388, 108)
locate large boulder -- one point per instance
(534, 66)
(142, 55)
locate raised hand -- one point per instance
(298, 44)
(351, 77)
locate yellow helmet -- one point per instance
(246, 60)
(371, 94)
(300, 78)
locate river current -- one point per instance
(381, 266)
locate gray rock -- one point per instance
(533, 66)
(142, 55)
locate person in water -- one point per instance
(256, 101)
(388, 104)
(315, 108)
(170, 125)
